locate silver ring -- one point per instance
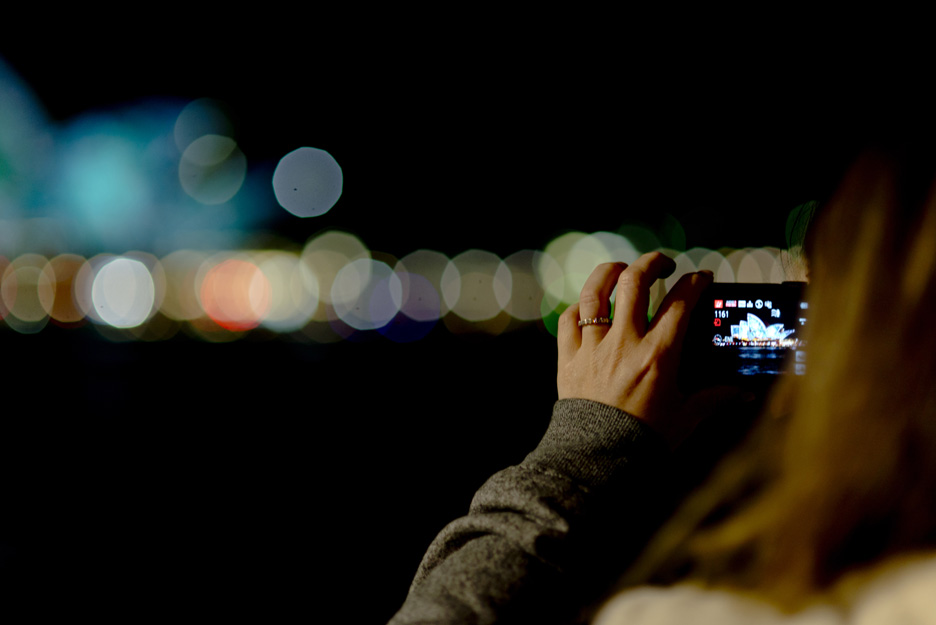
(595, 321)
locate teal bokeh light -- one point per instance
(25, 142)
(105, 180)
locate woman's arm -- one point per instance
(522, 549)
(538, 535)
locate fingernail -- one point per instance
(707, 272)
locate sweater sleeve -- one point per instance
(533, 531)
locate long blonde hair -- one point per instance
(840, 471)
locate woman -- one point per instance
(827, 514)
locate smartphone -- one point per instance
(745, 335)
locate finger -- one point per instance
(569, 336)
(594, 301)
(672, 318)
(632, 301)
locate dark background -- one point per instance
(271, 477)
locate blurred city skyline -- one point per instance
(172, 160)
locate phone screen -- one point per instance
(746, 332)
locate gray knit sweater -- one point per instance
(539, 538)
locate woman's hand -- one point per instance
(631, 364)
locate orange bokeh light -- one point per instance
(236, 295)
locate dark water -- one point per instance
(761, 360)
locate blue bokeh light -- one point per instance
(308, 182)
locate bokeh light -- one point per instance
(234, 293)
(716, 262)
(84, 282)
(476, 285)
(103, 177)
(527, 294)
(671, 233)
(431, 265)
(613, 247)
(366, 294)
(420, 297)
(308, 182)
(212, 169)
(62, 272)
(324, 256)
(204, 116)
(27, 293)
(640, 236)
(25, 141)
(558, 250)
(756, 265)
(123, 293)
(578, 254)
(157, 273)
(551, 279)
(419, 311)
(294, 291)
(4, 263)
(181, 299)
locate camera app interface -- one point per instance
(761, 328)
